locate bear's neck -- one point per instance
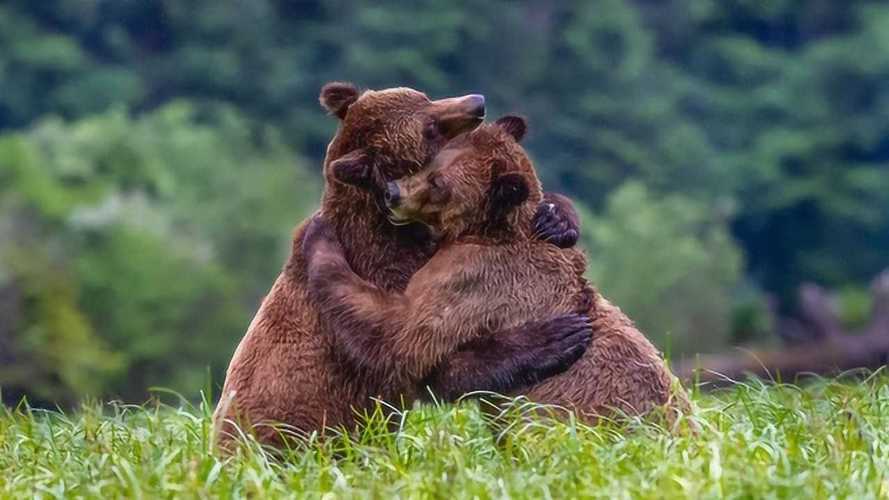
(379, 252)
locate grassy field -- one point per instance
(827, 439)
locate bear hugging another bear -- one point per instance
(319, 348)
(289, 368)
(479, 195)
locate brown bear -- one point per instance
(288, 367)
(490, 273)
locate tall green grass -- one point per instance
(827, 439)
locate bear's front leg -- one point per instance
(556, 221)
(512, 359)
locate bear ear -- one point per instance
(514, 125)
(352, 168)
(336, 97)
(508, 191)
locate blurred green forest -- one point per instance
(155, 155)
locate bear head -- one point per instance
(387, 134)
(480, 184)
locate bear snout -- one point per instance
(392, 195)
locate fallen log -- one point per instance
(831, 349)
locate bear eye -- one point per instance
(431, 131)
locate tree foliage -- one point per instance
(135, 249)
(154, 142)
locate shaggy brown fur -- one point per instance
(480, 194)
(288, 368)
